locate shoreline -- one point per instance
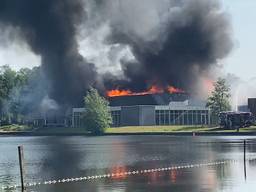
(27, 133)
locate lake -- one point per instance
(53, 158)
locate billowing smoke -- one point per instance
(173, 42)
(49, 27)
(240, 90)
(118, 43)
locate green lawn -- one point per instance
(150, 129)
(130, 129)
(249, 129)
(14, 128)
(166, 129)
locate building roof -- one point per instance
(149, 99)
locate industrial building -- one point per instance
(51, 118)
(152, 110)
(252, 105)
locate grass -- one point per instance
(14, 128)
(249, 129)
(120, 130)
(46, 130)
(130, 129)
(169, 129)
(152, 129)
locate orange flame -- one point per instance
(116, 92)
(172, 89)
(119, 172)
(209, 85)
(152, 90)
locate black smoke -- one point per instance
(185, 48)
(172, 42)
(49, 27)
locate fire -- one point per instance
(172, 89)
(116, 92)
(119, 172)
(209, 85)
(152, 90)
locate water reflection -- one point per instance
(65, 157)
(173, 176)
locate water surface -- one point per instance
(49, 158)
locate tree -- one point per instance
(219, 99)
(12, 85)
(97, 115)
(7, 83)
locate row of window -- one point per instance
(78, 121)
(116, 118)
(162, 117)
(180, 117)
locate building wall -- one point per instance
(137, 115)
(116, 118)
(252, 105)
(79, 122)
(152, 115)
(147, 115)
(182, 117)
(243, 108)
(130, 116)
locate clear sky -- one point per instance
(240, 62)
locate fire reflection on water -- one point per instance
(119, 173)
(173, 176)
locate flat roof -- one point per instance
(157, 107)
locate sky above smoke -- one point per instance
(118, 43)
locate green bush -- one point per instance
(97, 115)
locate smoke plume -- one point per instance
(119, 43)
(173, 42)
(49, 27)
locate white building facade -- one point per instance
(176, 113)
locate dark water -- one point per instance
(49, 158)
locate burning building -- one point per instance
(160, 108)
(127, 48)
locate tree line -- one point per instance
(15, 86)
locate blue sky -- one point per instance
(241, 61)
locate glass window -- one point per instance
(162, 118)
(166, 117)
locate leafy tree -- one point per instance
(7, 83)
(219, 99)
(97, 115)
(8, 79)
(12, 85)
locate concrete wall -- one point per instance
(147, 115)
(137, 115)
(130, 116)
(252, 105)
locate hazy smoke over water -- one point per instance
(119, 43)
